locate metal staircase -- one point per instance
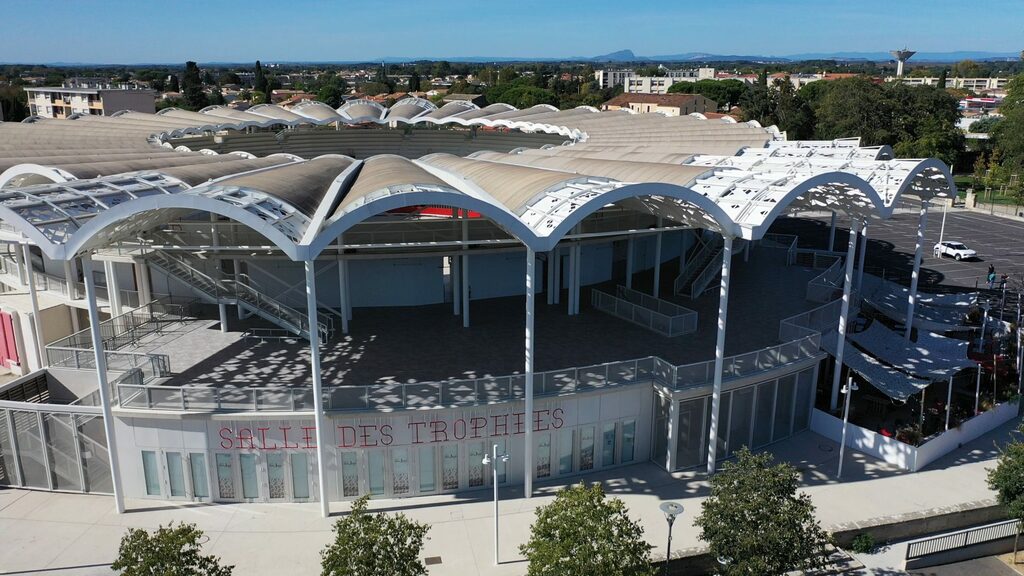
(704, 267)
(222, 290)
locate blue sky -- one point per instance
(132, 31)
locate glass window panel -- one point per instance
(804, 391)
(95, 457)
(200, 483)
(376, 460)
(608, 444)
(544, 456)
(784, 407)
(661, 412)
(176, 474)
(250, 483)
(476, 466)
(400, 470)
(742, 418)
(628, 440)
(428, 473)
(225, 476)
(763, 412)
(151, 472)
(276, 486)
(450, 467)
(64, 464)
(566, 440)
(690, 448)
(723, 425)
(7, 470)
(349, 474)
(300, 475)
(30, 449)
(586, 448)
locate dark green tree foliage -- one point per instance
(520, 91)
(173, 85)
(942, 79)
(259, 82)
(332, 91)
(192, 88)
(13, 103)
(726, 93)
(1007, 479)
(229, 78)
(414, 81)
(585, 533)
(1009, 134)
(216, 98)
(170, 551)
(368, 544)
(756, 519)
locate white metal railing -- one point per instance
(787, 242)
(968, 537)
(823, 287)
(127, 328)
(657, 315)
(815, 321)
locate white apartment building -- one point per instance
(972, 84)
(650, 84)
(100, 100)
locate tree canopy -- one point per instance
(1007, 478)
(585, 532)
(368, 544)
(1009, 133)
(192, 88)
(757, 521)
(725, 92)
(171, 551)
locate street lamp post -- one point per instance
(493, 460)
(849, 389)
(671, 510)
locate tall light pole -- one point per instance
(493, 460)
(671, 510)
(849, 389)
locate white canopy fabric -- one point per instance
(893, 383)
(932, 357)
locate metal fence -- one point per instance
(787, 242)
(952, 541)
(657, 315)
(129, 327)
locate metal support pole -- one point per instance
(673, 434)
(949, 400)
(942, 229)
(843, 313)
(552, 257)
(832, 234)
(656, 290)
(69, 280)
(577, 279)
(863, 253)
(222, 309)
(850, 389)
(113, 288)
(723, 309)
(557, 252)
(921, 223)
(465, 291)
(37, 322)
(101, 381)
(455, 274)
(531, 264)
(630, 249)
(19, 263)
(570, 281)
(343, 293)
(318, 395)
(977, 391)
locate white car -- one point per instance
(957, 250)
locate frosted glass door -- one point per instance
(476, 464)
(250, 483)
(151, 472)
(544, 456)
(586, 448)
(225, 477)
(300, 476)
(349, 474)
(428, 475)
(400, 470)
(176, 474)
(200, 484)
(376, 458)
(276, 476)
(450, 467)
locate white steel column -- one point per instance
(528, 467)
(557, 254)
(113, 288)
(69, 280)
(576, 280)
(19, 263)
(222, 309)
(145, 286)
(318, 395)
(465, 291)
(672, 444)
(863, 252)
(37, 322)
(343, 293)
(455, 274)
(570, 283)
(552, 258)
(921, 223)
(656, 291)
(723, 310)
(101, 382)
(832, 234)
(844, 312)
(630, 249)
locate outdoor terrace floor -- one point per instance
(428, 343)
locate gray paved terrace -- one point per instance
(428, 343)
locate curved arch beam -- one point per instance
(875, 205)
(443, 197)
(38, 174)
(638, 190)
(81, 238)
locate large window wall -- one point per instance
(752, 416)
(53, 449)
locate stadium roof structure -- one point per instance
(71, 185)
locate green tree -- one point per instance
(584, 532)
(756, 519)
(367, 544)
(192, 87)
(414, 81)
(173, 85)
(170, 551)
(969, 69)
(1007, 480)
(13, 104)
(1009, 134)
(259, 82)
(725, 93)
(984, 125)
(229, 78)
(526, 96)
(942, 79)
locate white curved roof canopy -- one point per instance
(70, 185)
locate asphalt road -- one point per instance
(979, 567)
(998, 241)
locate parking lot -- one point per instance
(998, 241)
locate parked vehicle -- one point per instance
(954, 249)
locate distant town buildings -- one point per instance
(86, 96)
(632, 82)
(667, 104)
(977, 85)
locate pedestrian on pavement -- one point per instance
(1002, 281)
(991, 269)
(991, 278)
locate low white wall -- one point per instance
(969, 430)
(863, 440)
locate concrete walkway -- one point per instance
(75, 534)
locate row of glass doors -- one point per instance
(273, 476)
